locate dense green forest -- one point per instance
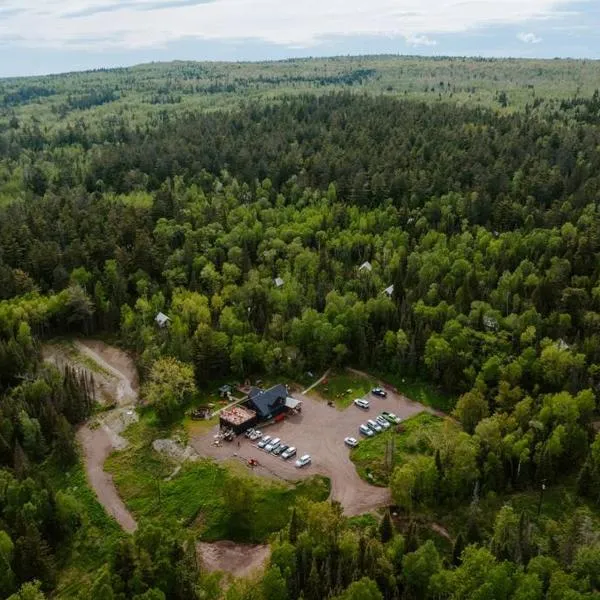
(471, 187)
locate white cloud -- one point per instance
(420, 40)
(106, 24)
(529, 38)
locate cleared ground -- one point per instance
(319, 431)
(240, 560)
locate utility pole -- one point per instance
(541, 497)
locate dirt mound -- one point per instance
(239, 560)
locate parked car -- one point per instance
(379, 392)
(376, 427)
(291, 451)
(272, 445)
(350, 441)
(303, 461)
(391, 417)
(361, 403)
(383, 422)
(281, 448)
(365, 430)
(256, 434)
(264, 441)
(249, 433)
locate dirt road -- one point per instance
(240, 560)
(97, 445)
(115, 377)
(319, 431)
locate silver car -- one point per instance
(365, 430)
(291, 451)
(272, 445)
(376, 427)
(383, 422)
(264, 441)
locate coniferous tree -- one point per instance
(386, 528)
(457, 550)
(293, 534)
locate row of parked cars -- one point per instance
(276, 447)
(384, 421)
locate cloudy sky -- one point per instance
(44, 36)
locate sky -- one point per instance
(51, 36)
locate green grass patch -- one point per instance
(415, 438)
(344, 386)
(421, 391)
(194, 497)
(363, 522)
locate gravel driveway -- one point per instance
(319, 431)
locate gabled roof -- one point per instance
(366, 266)
(265, 402)
(161, 319)
(389, 290)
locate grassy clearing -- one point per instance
(92, 544)
(415, 438)
(195, 496)
(343, 387)
(421, 391)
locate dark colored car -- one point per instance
(379, 392)
(280, 449)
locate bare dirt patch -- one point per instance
(115, 375)
(239, 560)
(319, 431)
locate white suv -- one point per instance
(303, 461)
(361, 403)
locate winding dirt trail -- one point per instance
(116, 380)
(97, 446)
(99, 441)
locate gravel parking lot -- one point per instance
(319, 431)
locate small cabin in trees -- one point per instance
(161, 320)
(389, 290)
